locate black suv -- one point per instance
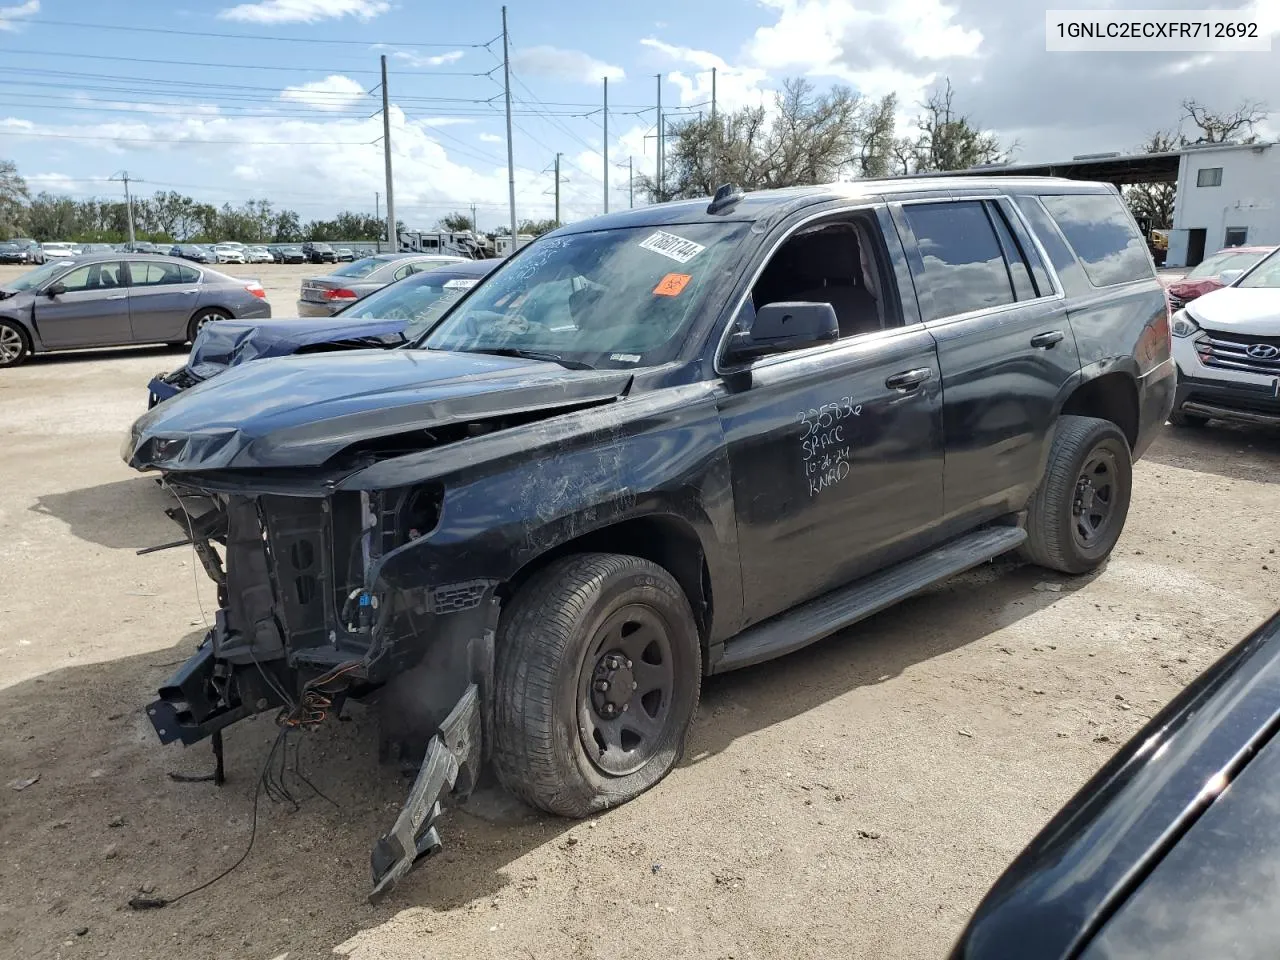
(318, 253)
(659, 444)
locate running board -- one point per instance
(840, 608)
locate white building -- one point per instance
(1227, 196)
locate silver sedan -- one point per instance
(325, 296)
(114, 300)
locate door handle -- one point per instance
(1045, 341)
(908, 379)
(116, 296)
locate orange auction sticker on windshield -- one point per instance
(672, 284)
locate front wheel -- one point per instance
(1078, 512)
(599, 665)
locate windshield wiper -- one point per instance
(534, 355)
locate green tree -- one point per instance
(536, 228)
(13, 200)
(1154, 201)
(455, 222)
(288, 228)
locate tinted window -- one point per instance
(358, 268)
(151, 274)
(1103, 236)
(1060, 255)
(964, 268)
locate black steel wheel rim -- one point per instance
(625, 687)
(1094, 505)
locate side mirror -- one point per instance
(54, 289)
(782, 327)
(1228, 277)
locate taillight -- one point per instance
(342, 293)
(256, 290)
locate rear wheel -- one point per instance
(598, 671)
(14, 346)
(204, 316)
(1078, 512)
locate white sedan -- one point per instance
(258, 254)
(228, 254)
(1227, 348)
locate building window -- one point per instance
(1236, 237)
(1209, 177)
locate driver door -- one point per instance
(835, 450)
(92, 311)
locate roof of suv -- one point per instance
(767, 204)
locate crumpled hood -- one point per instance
(299, 411)
(1239, 310)
(231, 342)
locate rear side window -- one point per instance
(1102, 235)
(964, 268)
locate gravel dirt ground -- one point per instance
(853, 800)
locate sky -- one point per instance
(278, 99)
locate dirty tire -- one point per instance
(547, 638)
(1179, 419)
(1053, 515)
(201, 317)
(14, 345)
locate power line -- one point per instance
(240, 36)
(191, 63)
(194, 142)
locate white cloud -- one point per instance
(880, 47)
(304, 11)
(438, 60)
(491, 138)
(10, 16)
(557, 64)
(735, 86)
(334, 92)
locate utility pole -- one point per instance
(128, 202)
(631, 185)
(511, 162)
(386, 152)
(558, 156)
(475, 227)
(713, 94)
(660, 144)
(606, 146)
(377, 215)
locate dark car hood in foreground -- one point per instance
(1171, 849)
(230, 342)
(299, 411)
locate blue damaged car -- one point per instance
(391, 316)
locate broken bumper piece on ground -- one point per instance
(451, 762)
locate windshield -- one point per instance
(322, 247)
(1265, 274)
(609, 298)
(357, 268)
(1224, 261)
(34, 279)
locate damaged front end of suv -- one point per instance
(321, 519)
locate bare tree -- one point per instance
(803, 139)
(1219, 127)
(949, 140)
(876, 150)
(1154, 201)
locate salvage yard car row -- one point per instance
(678, 441)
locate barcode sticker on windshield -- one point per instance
(669, 245)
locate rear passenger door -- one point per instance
(1005, 347)
(162, 299)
